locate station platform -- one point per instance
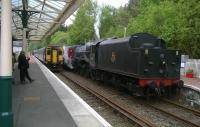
(48, 102)
(193, 83)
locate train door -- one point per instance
(60, 55)
(48, 55)
(54, 56)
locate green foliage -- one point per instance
(83, 27)
(155, 19)
(177, 22)
(33, 45)
(59, 38)
(63, 28)
(107, 21)
(189, 70)
(114, 21)
(132, 8)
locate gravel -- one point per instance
(189, 98)
(107, 112)
(115, 118)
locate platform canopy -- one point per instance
(43, 16)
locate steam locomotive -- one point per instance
(141, 63)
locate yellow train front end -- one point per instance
(54, 57)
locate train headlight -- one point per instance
(146, 51)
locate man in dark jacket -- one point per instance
(23, 65)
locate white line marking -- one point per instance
(192, 87)
(92, 111)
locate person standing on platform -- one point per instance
(13, 61)
(23, 66)
(13, 65)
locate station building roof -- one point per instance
(45, 16)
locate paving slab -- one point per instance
(36, 104)
(48, 102)
(81, 112)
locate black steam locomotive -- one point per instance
(140, 63)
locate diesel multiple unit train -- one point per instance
(51, 56)
(140, 63)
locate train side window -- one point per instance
(48, 52)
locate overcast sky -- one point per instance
(115, 3)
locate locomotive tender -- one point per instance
(141, 63)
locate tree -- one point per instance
(59, 37)
(114, 21)
(106, 21)
(83, 27)
(177, 22)
(132, 8)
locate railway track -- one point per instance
(176, 111)
(125, 110)
(196, 112)
(191, 120)
(187, 115)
